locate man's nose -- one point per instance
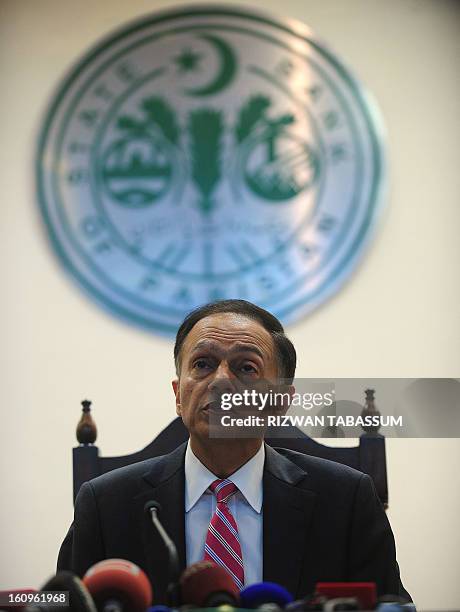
(224, 379)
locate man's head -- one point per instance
(283, 347)
(220, 346)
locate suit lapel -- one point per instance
(165, 484)
(287, 513)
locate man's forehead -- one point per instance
(229, 330)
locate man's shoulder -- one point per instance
(320, 472)
(155, 469)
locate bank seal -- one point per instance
(209, 152)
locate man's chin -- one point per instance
(209, 429)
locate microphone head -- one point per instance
(205, 584)
(364, 592)
(120, 580)
(150, 505)
(79, 598)
(261, 593)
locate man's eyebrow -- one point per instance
(204, 345)
(239, 347)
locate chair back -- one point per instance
(368, 457)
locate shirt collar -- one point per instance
(248, 479)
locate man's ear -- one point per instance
(176, 389)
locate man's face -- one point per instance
(220, 353)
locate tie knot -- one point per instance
(223, 490)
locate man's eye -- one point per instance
(247, 368)
(200, 364)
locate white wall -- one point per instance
(397, 317)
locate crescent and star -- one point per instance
(188, 61)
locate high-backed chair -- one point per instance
(369, 456)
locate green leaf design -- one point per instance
(286, 120)
(205, 129)
(251, 113)
(128, 123)
(159, 112)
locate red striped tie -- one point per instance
(222, 544)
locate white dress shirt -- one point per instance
(245, 506)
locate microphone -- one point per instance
(263, 594)
(153, 508)
(364, 592)
(206, 585)
(79, 598)
(117, 585)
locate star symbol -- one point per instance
(187, 60)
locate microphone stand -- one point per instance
(153, 508)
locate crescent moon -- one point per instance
(226, 71)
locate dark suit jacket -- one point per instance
(322, 521)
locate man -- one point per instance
(261, 513)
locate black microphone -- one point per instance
(153, 508)
(79, 598)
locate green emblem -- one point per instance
(137, 167)
(207, 153)
(274, 157)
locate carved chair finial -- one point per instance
(86, 428)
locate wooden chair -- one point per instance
(369, 456)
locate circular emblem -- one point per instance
(208, 153)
